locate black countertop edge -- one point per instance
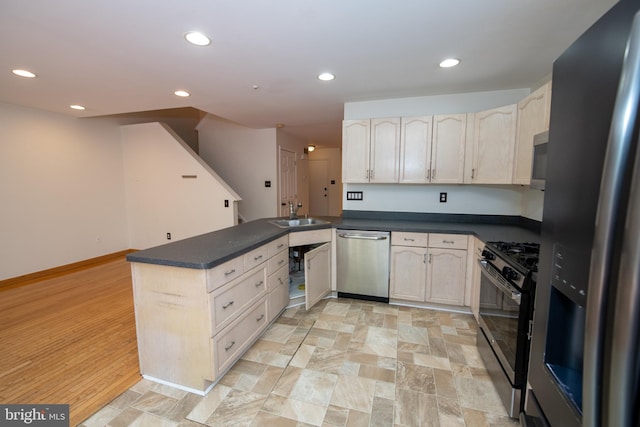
(514, 220)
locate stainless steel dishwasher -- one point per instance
(363, 264)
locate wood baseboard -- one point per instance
(15, 282)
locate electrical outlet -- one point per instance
(168, 236)
(443, 197)
(267, 184)
(226, 203)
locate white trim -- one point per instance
(181, 387)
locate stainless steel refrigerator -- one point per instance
(584, 364)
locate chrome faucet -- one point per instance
(293, 210)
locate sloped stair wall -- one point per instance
(170, 189)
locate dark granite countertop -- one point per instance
(211, 249)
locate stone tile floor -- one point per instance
(343, 363)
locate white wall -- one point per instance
(61, 190)
(245, 158)
(427, 105)
(160, 199)
(461, 199)
(470, 199)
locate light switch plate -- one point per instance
(354, 195)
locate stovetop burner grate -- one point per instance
(523, 254)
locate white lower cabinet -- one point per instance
(408, 273)
(312, 249)
(429, 267)
(446, 274)
(475, 273)
(193, 325)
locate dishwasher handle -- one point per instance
(363, 236)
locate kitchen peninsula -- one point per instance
(201, 302)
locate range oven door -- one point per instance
(499, 318)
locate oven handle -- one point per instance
(489, 273)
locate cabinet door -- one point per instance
(385, 150)
(408, 273)
(478, 245)
(446, 274)
(317, 274)
(533, 118)
(448, 149)
(355, 150)
(415, 149)
(494, 133)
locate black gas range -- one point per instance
(507, 289)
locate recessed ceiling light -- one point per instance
(197, 38)
(182, 93)
(449, 62)
(76, 107)
(326, 77)
(23, 73)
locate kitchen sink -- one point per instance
(301, 222)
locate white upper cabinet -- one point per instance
(415, 149)
(492, 145)
(432, 149)
(370, 150)
(533, 118)
(447, 154)
(355, 150)
(385, 150)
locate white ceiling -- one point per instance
(122, 56)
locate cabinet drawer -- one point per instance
(451, 241)
(224, 273)
(277, 245)
(255, 257)
(230, 300)
(278, 261)
(279, 278)
(232, 341)
(401, 238)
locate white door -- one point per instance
(287, 180)
(318, 187)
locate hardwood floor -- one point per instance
(69, 339)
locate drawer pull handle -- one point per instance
(281, 262)
(260, 318)
(255, 258)
(280, 280)
(226, 273)
(280, 245)
(259, 283)
(229, 304)
(448, 241)
(406, 239)
(227, 348)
